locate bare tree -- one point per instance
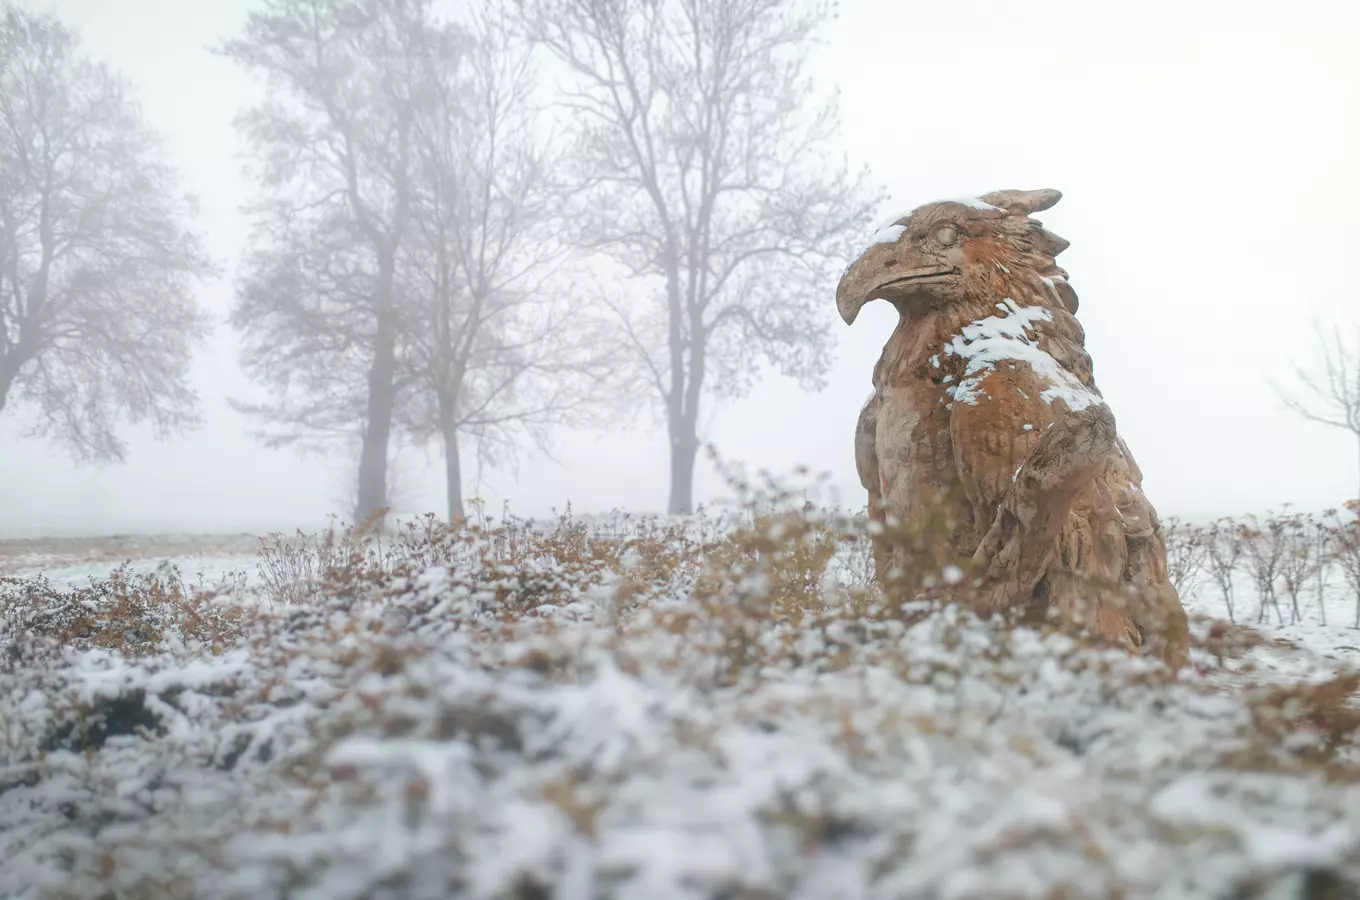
(333, 144)
(1223, 545)
(499, 352)
(1323, 554)
(97, 319)
(1346, 550)
(705, 174)
(1264, 545)
(1330, 389)
(1186, 552)
(1298, 563)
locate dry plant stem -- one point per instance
(1264, 549)
(1186, 547)
(1322, 548)
(1225, 549)
(1297, 562)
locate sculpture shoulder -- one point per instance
(866, 453)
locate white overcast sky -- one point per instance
(1207, 153)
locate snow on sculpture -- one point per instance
(986, 437)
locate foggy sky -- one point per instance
(1208, 168)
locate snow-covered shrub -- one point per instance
(498, 711)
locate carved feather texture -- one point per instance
(986, 416)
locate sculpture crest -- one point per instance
(987, 434)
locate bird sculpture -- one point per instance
(986, 440)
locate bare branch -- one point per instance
(1332, 387)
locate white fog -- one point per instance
(1206, 163)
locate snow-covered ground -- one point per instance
(1328, 639)
(19, 552)
(579, 730)
(200, 570)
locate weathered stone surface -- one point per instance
(986, 433)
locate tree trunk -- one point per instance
(684, 414)
(453, 464)
(9, 370)
(381, 400)
(684, 450)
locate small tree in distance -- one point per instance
(1329, 391)
(499, 349)
(98, 322)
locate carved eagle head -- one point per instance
(952, 251)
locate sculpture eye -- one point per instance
(946, 236)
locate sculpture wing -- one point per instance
(866, 466)
(992, 430)
(992, 445)
(866, 455)
(1055, 535)
(1154, 603)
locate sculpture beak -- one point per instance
(849, 299)
(884, 271)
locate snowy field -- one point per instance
(74, 562)
(1325, 641)
(567, 720)
(205, 571)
